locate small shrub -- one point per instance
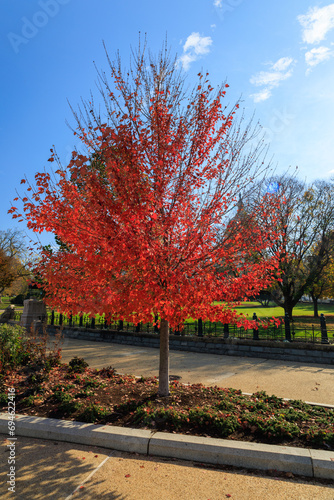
(29, 400)
(68, 407)
(84, 393)
(18, 299)
(88, 382)
(17, 348)
(32, 391)
(62, 397)
(126, 407)
(63, 387)
(225, 405)
(77, 365)
(3, 399)
(319, 437)
(13, 350)
(271, 428)
(37, 378)
(108, 372)
(92, 413)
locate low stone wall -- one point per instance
(294, 351)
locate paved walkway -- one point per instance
(63, 471)
(56, 470)
(287, 379)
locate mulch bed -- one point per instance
(102, 396)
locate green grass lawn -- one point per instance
(300, 309)
(302, 313)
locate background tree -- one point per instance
(147, 229)
(323, 287)
(13, 261)
(304, 218)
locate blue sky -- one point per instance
(278, 56)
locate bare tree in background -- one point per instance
(305, 221)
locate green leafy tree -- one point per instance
(13, 259)
(323, 287)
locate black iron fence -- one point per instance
(287, 331)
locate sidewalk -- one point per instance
(62, 471)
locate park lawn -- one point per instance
(302, 312)
(301, 309)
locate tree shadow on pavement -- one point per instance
(52, 470)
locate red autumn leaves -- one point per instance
(145, 218)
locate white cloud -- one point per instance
(270, 78)
(317, 23)
(279, 71)
(261, 96)
(195, 46)
(199, 44)
(317, 55)
(217, 3)
(282, 64)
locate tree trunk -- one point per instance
(315, 305)
(164, 359)
(288, 308)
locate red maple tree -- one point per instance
(146, 216)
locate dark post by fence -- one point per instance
(287, 328)
(177, 330)
(255, 329)
(138, 327)
(92, 323)
(52, 317)
(200, 328)
(81, 321)
(70, 322)
(60, 319)
(120, 325)
(324, 335)
(156, 329)
(226, 331)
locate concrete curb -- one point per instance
(306, 462)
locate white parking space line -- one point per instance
(88, 477)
